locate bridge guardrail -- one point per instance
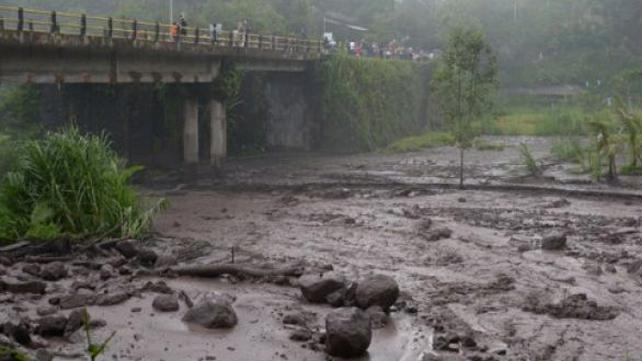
(41, 21)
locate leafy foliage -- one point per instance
(70, 184)
(465, 83)
(368, 103)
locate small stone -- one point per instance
(51, 326)
(165, 303)
(46, 310)
(114, 298)
(76, 300)
(32, 269)
(294, 319)
(348, 332)
(554, 242)
(53, 271)
(301, 335)
(37, 287)
(147, 257)
(437, 234)
(136, 309)
(610, 268)
(106, 272)
(212, 315)
(127, 248)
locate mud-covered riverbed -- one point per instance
(498, 272)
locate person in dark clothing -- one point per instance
(183, 24)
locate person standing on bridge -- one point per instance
(182, 23)
(173, 31)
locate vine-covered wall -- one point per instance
(368, 103)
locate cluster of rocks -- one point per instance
(360, 306)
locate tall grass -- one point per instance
(539, 122)
(73, 185)
(529, 160)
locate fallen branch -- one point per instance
(210, 271)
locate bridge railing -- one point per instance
(40, 21)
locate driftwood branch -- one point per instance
(211, 271)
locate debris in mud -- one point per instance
(577, 306)
(348, 332)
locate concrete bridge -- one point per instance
(78, 51)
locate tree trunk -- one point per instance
(461, 168)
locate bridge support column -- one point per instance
(190, 131)
(218, 133)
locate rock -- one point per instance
(554, 242)
(5, 261)
(165, 261)
(114, 298)
(76, 300)
(212, 315)
(74, 322)
(44, 355)
(378, 318)
(348, 332)
(37, 287)
(610, 268)
(127, 248)
(53, 271)
(20, 333)
(106, 272)
(316, 288)
(301, 335)
(32, 269)
(46, 310)
(377, 290)
(51, 326)
(147, 257)
(437, 234)
(165, 303)
(158, 287)
(336, 298)
(294, 319)
(634, 267)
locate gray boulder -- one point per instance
(165, 303)
(212, 314)
(316, 288)
(377, 290)
(348, 332)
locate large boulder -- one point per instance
(348, 332)
(212, 314)
(377, 290)
(316, 287)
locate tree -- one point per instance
(465, 83)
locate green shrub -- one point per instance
(569, 149)
(417, 143)
(70, 184)
(368, 103)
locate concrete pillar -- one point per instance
(218, 133)
(190, 131)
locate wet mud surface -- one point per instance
(485, 274)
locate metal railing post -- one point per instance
(231, 39)
(110, 27)
(134, 29)
(157, 32)
(30, 26)
(197, 34)
(83, 25)
(21, 19)
(54, 22)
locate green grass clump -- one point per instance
(529, 161)
(569, 150)
(7, 353)
(484, 145)
(417, 143)
(69, 184)
(540, 122)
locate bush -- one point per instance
(368, 103)
(417, 143)
(68, 184)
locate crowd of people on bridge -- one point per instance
(390, 50)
